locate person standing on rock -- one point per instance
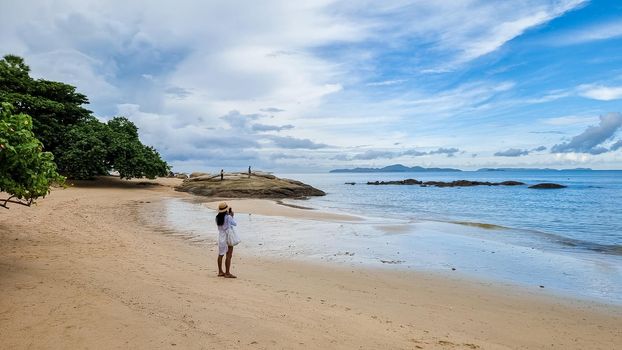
(222, 174)
(224, 220)
(249, 171)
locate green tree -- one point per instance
(93, 148)
(54, 106)
(84, 150)
(26, 172)
(128, 156)
(82, 145)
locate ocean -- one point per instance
(585, 215)
(562, 241)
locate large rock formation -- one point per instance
(198, 173)
(240, 185)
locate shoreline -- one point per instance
(82, 263)
(270, 207)
(445, 248)
(393, 268)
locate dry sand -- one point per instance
(79, 271)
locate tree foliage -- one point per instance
(93, 148)
(82, 145)
(128, 156)
(26, 172)
(54, 106)
(83, 153)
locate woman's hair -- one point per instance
(220, 218)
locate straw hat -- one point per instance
(222, 207)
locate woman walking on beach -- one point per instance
(224, 221)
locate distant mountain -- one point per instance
(396, 168)
(532, 169)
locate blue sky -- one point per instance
(285, 86)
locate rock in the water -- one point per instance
(399, 182)
(239, 185)
(511, 183)
(547, 185)
(457, 183)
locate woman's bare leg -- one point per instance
(228, 262)
(220, 271)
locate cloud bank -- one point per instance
(389, 154)
(515, 152)
(592, 139)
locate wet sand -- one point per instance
(279, 208)
(80, 270)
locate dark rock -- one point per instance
(398, 182)
(457, 183)
(350, 183)
(411, 182)
(547, 185)
(511, 183)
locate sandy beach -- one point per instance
(79, 270)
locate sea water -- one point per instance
(585, 215)
(567, 241)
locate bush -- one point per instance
(26, 172)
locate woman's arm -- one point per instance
(230, 220)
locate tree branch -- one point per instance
(11, 200)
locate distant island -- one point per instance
(399, 168)
(396, 168)
(533, 169)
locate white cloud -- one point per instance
(463, 99)
(550, 96)
(512, 152)
(78, 69)
(517, 152)
(574, 157)
(375, 154)
(372, 154)
(596, 32)
(461, 30)
(386, 82)
(570, 120)
(233, 137)
(248, 78)
(600, 92)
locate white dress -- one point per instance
(223, 247)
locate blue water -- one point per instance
(585, 215)
(564, 241)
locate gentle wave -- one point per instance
(480, 225)
(613, 249)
